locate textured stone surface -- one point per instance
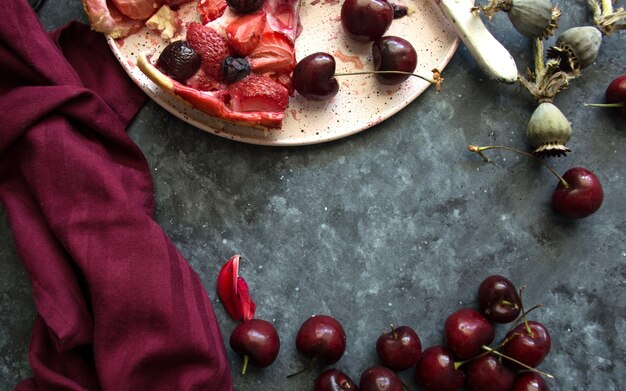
(398, 224)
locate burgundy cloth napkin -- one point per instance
(118, 307)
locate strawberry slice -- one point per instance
(258, 93)
(211, 9)
(244, 32)
(212, 48)
(139, 10)
(274, 54)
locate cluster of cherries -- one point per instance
(395, 59)
(465, 360)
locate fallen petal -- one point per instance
(247, 306)
(233, 291)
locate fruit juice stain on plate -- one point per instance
(363, 105)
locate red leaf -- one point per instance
(233, 291)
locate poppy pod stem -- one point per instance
(480, 150)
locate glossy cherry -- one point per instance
(578, 193)
(582, 197)
(366, 20)
(400, 348)
(437, 371)
(528, 343)
(334, 380)
(486, 373)
(314, 77)
(392, 53)
(529, 381)
(615, 96)
(498, 299)
(466, 331)
(379, 378)
(321, 337)
(257, 341)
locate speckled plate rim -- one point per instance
(292, 133)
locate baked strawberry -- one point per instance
(212, 48)
(175, 4)
(258, 93)
(211, 9)
(244, 33)
(274, 54)
(137, 9)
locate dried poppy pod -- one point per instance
(534, 18)
(576, 48)
(548, 130)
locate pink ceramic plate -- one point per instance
(361, 101)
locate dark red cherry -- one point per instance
(498, 299)
(334, 380)
(314, 77)
(366, 20)
(393, 54)
(616, 94)
(529, 381)
(257, 340)
(582, 198)
(322, 337)
(486, 373)
(436, 370)
(380, 378)
(527, 346)
(400, 348)
(466, 331)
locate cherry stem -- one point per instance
(618, 104)
(404, 385)
(516, 322)
(458, 364)
(497, 353)
(508, 303)
(306, 368)
(528, 330)
(436, 80)
(394, 332)
(479, 150)
(246, 359)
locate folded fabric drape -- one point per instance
(118, 307)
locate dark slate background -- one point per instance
(398, 224)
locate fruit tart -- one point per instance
(233, 60)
